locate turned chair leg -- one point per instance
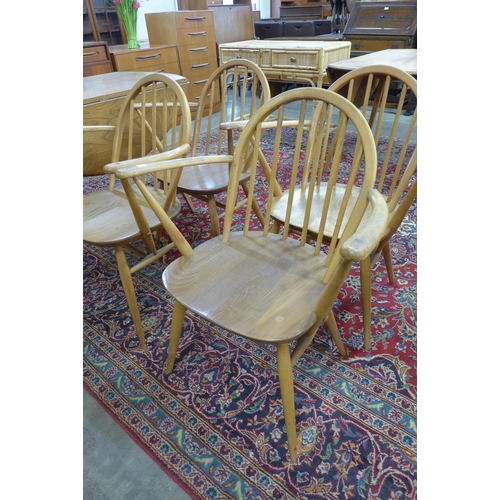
(331, 324)
(128, 287)
(285, 375)
(388, 262)
(214, 216)
(175, 334)
(366, 298)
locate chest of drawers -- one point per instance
(192, 31)
(160, 58)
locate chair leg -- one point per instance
(214, 216)
(175, 334)
(128, 287)
(275, 227)
(189, 202)
(331, 324)
(366, 298)
(286, 386)
(255, 205)
(388, 262)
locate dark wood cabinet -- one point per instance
(374, 26)
(101, 23)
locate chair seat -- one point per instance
(273, 298)
(206, 179)
(108, 218)
(278, 211)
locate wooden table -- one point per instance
(405, 59)
(288, 61)
(103, 96)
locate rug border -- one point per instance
(136, 440)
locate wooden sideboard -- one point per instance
(161, 58)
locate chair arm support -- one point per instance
(359, 246)
(160, 166)
(111, 168)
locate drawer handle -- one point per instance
(200, 82)
(356, 45)
(198, 49)
(292, 59)
(198, 33)
(145, 58)
(194, 19)
(239, 56)
(199, 66)
(86, 54)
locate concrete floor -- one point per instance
(114, 466)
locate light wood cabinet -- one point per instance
(193, 33)
(161, 58)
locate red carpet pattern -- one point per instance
(215, 424)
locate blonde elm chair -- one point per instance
(369, 88)
(267, 287)
(236, 106)
(154, 124)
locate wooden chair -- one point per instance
(267, 287)
(369, 89)
(154, 123)
(236, 105)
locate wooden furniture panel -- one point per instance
(193, 33)
(374, 26)
(233, 23)
(158, 58)
(96, 58)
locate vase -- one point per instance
(129, 21)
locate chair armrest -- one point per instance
(360, 245)
(111, 168)
(142, 169)
(97, 128)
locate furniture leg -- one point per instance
(175, 334)
(128, 287)
(366, 298)
(286, 386)
(331, 324)
(214, 216)
(388, 262)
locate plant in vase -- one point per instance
(127, 10)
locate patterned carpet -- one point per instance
(215, 424)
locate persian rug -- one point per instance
(215, 424)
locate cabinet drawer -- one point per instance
(197, 37)
(95, 54)
(195, 54)
(194, 20)
(299, 60)
(199, 70)
(251, 55)
(378, 43)
(147, 60)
